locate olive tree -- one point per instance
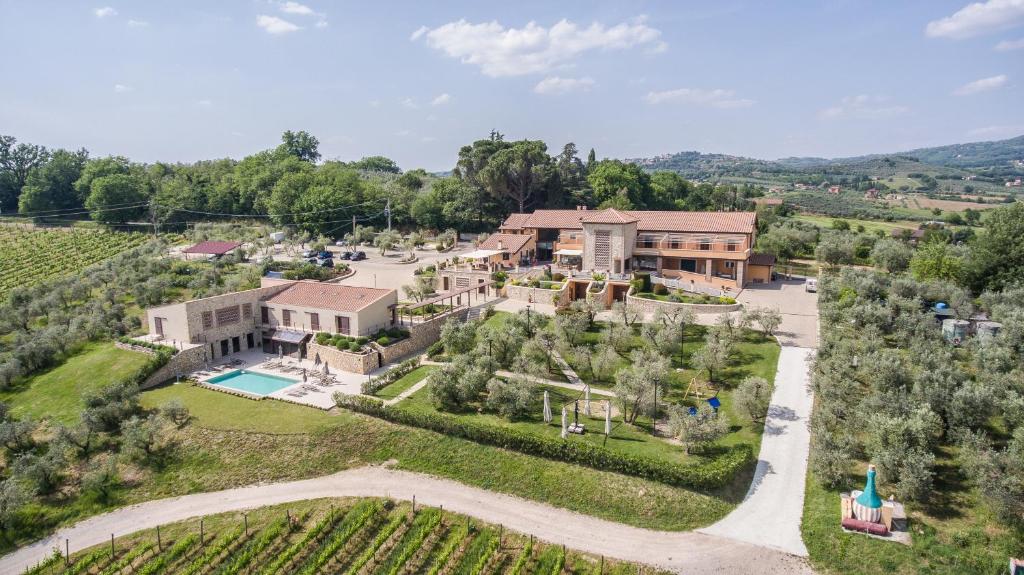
(713, 356)
(510, 397)
(752, 397)
(699, 430)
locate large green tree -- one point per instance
(516, 173)
(997, 254)
(97, 168)
(300, 145)
(16, 161)
(111, 198)
(51, 186)
(613, 178)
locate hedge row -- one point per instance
(375, 384)
(707, 476)
(146, 344)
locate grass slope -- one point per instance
(57, 393)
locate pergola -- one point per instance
(212, 248)
(453, 297)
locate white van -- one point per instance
(811, 285)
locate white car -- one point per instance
(811, 285)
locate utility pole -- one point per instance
(353, 227)
(387, 211)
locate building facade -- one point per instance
(709, 249)
(280, 315)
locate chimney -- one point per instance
(501, 245)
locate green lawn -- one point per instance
(57, 394)
(408, 380)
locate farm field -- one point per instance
(31, 255)
(925, 203)
(869, 225)
(347, 536)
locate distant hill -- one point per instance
(985, 165)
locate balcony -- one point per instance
(692, 248)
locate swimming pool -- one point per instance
(252, 382)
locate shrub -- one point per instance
(660, 289)
(375, 384)
(557, 277)
(384, 341)
(354, 346)
(715, 473)
(361, 340)
(323, 338)
(435, 350)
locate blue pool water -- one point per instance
(252, 382)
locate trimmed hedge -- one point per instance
(707, 476)
(157, 347)
(375, 384)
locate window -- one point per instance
(314, 321)
(705, 244)
(159, 323)
(207, 319)
(227, 315)
(286, 317)
(246, 311)
(732, 245)
(342, 324)
(730, 265)
(264, 314)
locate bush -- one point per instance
(660, 289)
(375, 384)
(645, 280)
(354, 346)
(361, 340)
(384, 341)
(435, 349)
(711, 475)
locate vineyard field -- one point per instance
(346, 536)
(31, 255)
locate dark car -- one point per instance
(345, 255)
(324, 255)
(358, 256)
(326, 263)
(311, 261)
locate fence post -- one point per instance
(67, 552)
(202, 534)
(245, 518)
(414, 504)
(601, 568)
(159, 544)
(111, 546)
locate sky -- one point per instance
(188, 80)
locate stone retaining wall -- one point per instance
(538, 295)
(421, 336)
(652, 305)
(343, 360)
(182, 363)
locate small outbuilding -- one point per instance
(955, 331)
(212, 248)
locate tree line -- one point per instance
(289, 185)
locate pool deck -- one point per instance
(310, 393)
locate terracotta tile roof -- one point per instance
(510, 243)
(210, 247)
(650, 221)
(761, 260)
(609, 216)
(515, 221)
(329, 296)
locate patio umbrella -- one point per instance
(316, 360)
(280, 351)
(547, 407)
(327, 370)
(565, 422)
(607, 417)
(303, 375)
(586, 400)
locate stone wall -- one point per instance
(652, 305)
(343, 360)
(182, 363)
(421, 336)
(538, 295)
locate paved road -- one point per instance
(688, 552)
(799, 310)
(771, 512)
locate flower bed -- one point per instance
(342, 342)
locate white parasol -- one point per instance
(547, 407)
(565, 422)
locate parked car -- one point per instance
(358, 256)
(340, 243)
(308, 254)
(811, 285)
(324, 255)
(311, 261)
(345, 255)
(326, 263)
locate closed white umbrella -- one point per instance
(316, 360)
(565, 423)
(280, 351)
(327, 371)
(547, 407)
(586, 400)
(607, 417)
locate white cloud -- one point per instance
(558, 85)
(137, 24)
(442, 99)
(532, 49)
(410, 103)
(419, 32)
(296, 8)
(1008, 45)
(121, 88)
(275, 25)
(717, 98)
(104, 12)
(977, 19)
(996, 131)
(982, 85)
(864, 107)
(321, 23)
